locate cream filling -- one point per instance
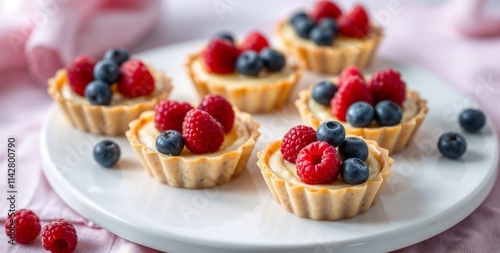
(238, 80)
(340, 41)
(288, 172)
(232, 140)
(324, 113)
(117, 98)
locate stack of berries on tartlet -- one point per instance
(251, 75)
(379, 107)
(194, 148)
(323, 174)
(328, 40)
(103, 97)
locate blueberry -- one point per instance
(118, 55)
(323, 92)
(272, 59)
(303, 27)
(249, 63)
(388, 113)
(331, 132)
(297, 16)
(106, 71)
(360, 114)
(322, 36)
(452, 145)
(353, 147)
(354, 171)
(472, 120)
(98, 93)
(170, 142)
(330, 24)
(225, 35)
(106, 153)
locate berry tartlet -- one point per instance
(250, 75)
(194, 148)
(378, 108)
(103, 97)
(324, 175)
(327, 40)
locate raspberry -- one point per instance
(135, 79)
(318, 163)
(355, 23)
(202, 133)
(325, 9)
(254, 41)
(169, 115)
(347, 72)
(387, 85)
(26, 225)
(220, 56)
(220, 109)
(353, 90)
(59, 237)
(295, 139)
(80, 73)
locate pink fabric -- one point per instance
(473, 19)
(431, 43)
(45, 35)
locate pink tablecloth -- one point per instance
(426, 38)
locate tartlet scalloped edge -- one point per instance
(325, 204)
(199, 172)
(331, 60)
(253, 98)
(97, 119)
(393, 138)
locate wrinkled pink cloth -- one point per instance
(431, 43)
(476, 18)
(44, 35)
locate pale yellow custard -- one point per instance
(238, 80)
(232, 140)
(117, 98)
(288, 172)
(324, 113)
(339, 41)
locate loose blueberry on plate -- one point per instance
(303, 27)
(331, 132)
(330, 24)
(98, 93)
(118, 55)
(322, 36)
(249, 63)
(225, 35)
(323, 92)
(106, 71)
(106, 153)
(170, 142)
(272, 59)
(452, 145)
(360, 114)
(388, 113)
(353, 147)
(472, 120)
(354, 171)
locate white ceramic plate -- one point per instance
(426, 194)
